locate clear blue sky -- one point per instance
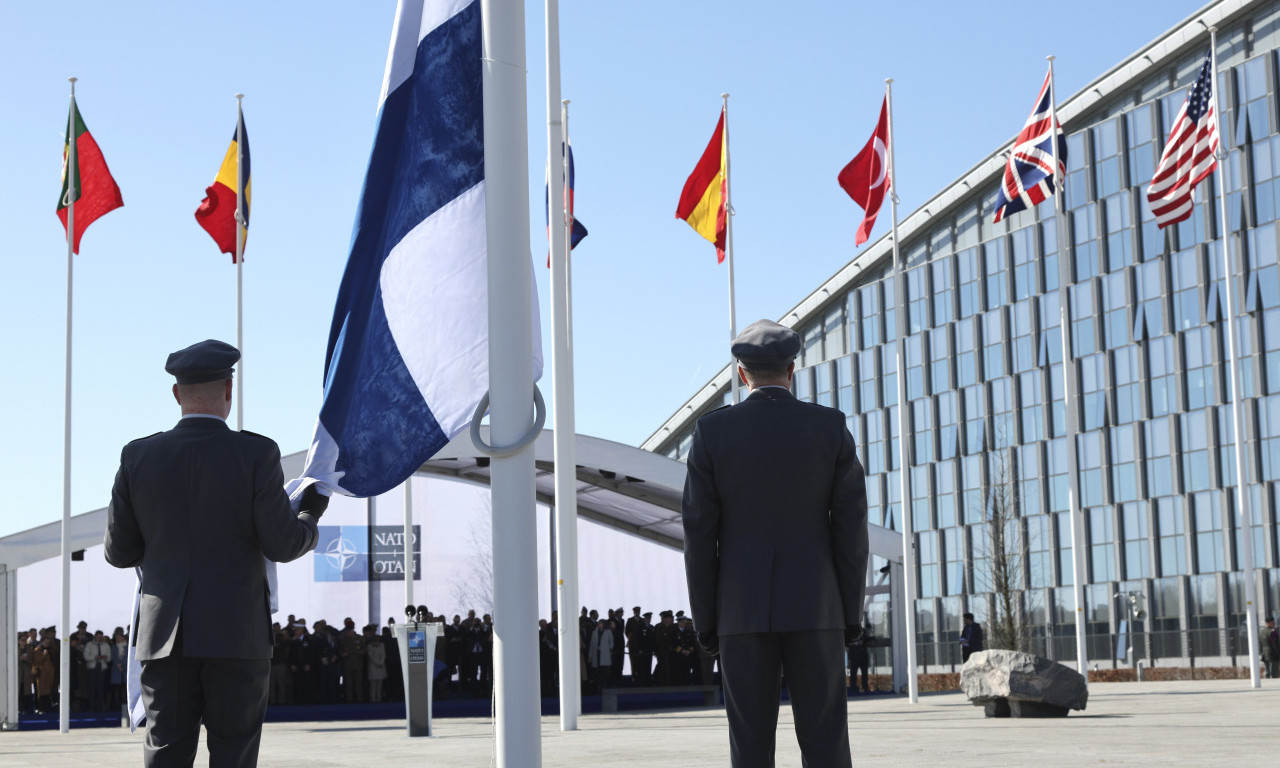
(156, 90)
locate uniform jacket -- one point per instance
(198, 507)
(644, 640)
(775, 518)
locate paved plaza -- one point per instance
(1158, 724)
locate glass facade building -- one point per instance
(984, 369)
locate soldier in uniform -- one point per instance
(351, 651)
(648, 646)
(664, 639)
(200, 508)
(775, 528)
(683, 655)
(633, 621)
(641, 662)
(619, 646)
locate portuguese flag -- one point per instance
(702, 201)
(86, 180)
(217, 212)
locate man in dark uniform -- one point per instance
(640, 646)
(619, 646)
(324, 663)
(199, 508)
(775, 526)
(629, 629)
(663, 639)
(684, 653)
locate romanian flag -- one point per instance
(86, 180)
(702, 202)
(217, 214)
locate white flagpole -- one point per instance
(517, 705)
(408, 540)
(904, 421)
(1237, 389)
(1078, 570)
(728, 249)
(565, 512)
(240, 182)
(568, 244)
(64, 657)
(567, 483)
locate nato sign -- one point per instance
(364, 553)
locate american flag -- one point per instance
(1028, 177)
(1188, 155)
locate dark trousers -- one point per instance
(642, 668)
(228, 695)
(813, 663)
(95, 685)
(601, 675)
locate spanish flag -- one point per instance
(86, 180)
(217, 214)
(702, 202)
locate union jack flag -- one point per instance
(1028, 176)
(1189, 155)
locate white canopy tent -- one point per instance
(628, 489)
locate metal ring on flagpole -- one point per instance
(539, 419)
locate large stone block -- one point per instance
(1016, 684)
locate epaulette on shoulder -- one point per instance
(148, 437)
(255, 434)
(713, 410)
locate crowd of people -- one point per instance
(98, 669)
(661, 654)
(319, 663)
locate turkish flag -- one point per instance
(866, 177)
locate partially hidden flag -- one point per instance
(86, 180)
(408, 352)
(1189, 155)
(217, 212)
(702, 201)
(1029, 174)
(579, 229)
(866, 177)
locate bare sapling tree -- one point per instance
(1006, 550)
(473, 587)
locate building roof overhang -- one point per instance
(619, 486)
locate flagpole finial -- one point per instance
(1050, 58)
(72, 80)
(564, 102)
(724, 95)
(239, 96)
(889, 80)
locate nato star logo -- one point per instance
(342, 553)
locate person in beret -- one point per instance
(198, 508)
(775, 529)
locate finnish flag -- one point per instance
(408, 355)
